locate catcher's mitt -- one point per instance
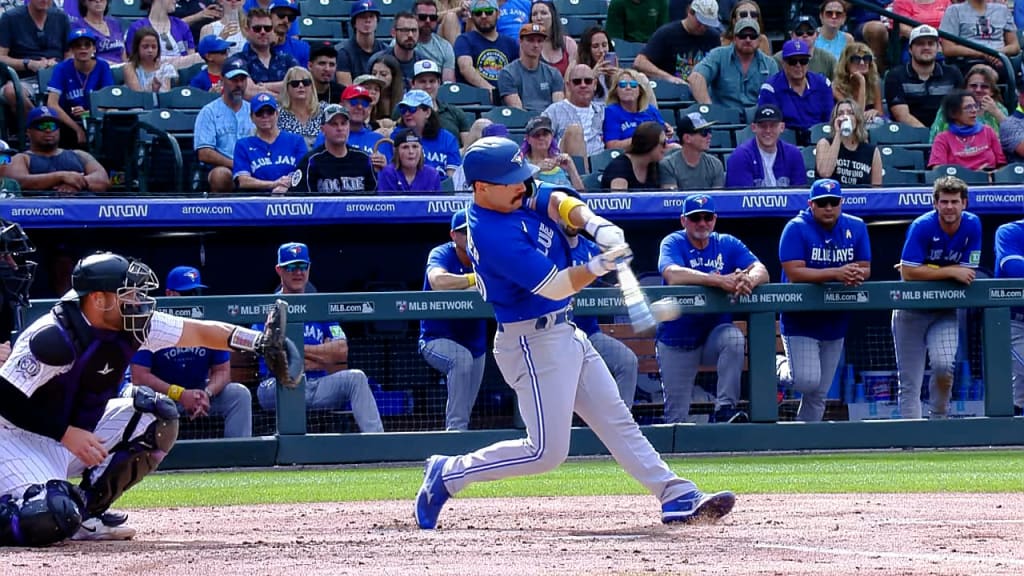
(279, 353)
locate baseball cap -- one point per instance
(41, 113)
(494, 129)
(483, 4)
(531, 29)
(538, 123)
(363, 7)
(332, 110)
(744, 23)
(234, 67)
(285, 4)
(364, 78)
(317, 49)
(795, 48)
(825, 188)
(425, 67)
(261, 101)
(923, 31)
(767, 113)
(79, 33)
(213, 43)
(460, 220)
(803, 20)
(692, 123)
(417, 98)
(707, 13)
(291, 253)
(184, 278)
(404, 136)
(355, 91)
(696, 203)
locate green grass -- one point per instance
(957, 471)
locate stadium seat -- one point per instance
(575, 27)
(721, 139)
(512, 118)
(747, 133)
(965, 174)
(716, 113)
(819, 131)
(185, 98)
(384, 26)
(185, 75)
(326, 8)
(896, 177)
(810, 154)
(43, 77)
(1009, 174)
(671, 97)
(626, 51)
(902, 158)
(592, 182)
(582, 8)
(162, 167)
(393, 7)
(119, 98)
(131, 9)
(466, 96)
(900, 134)
(600, 161)
(13, 120)
(318, 29)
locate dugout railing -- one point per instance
(292, 445)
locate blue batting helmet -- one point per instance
(496, 160)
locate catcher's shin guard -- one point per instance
(44, 515)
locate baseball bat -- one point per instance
(637, 306)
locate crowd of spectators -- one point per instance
(594, 90)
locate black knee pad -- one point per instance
(147, 401)
(45, 515)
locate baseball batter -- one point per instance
(1010, 264)
(821, 244)
(944, 244)
(620, 360)
(59, 417)
(524, 269)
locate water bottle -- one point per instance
(846, 128)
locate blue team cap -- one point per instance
(41, 113)
(460, 220)
(213, 43)
(79, 33)
(417, 98)
(261, 101)
(183, 279)
(825, 188)
(285, 4)
(234, 67)
(291, 253)
(696, 203)
(362, 8)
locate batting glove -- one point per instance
(606, 234)
(606, 262)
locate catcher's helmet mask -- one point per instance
(130, 280)
(16, 272)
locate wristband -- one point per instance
(25, 62)
(471, 277)
(174, 392)
(243, 339)
(566, 206)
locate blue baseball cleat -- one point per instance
(697, 505)
(432, 494)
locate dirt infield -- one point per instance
(917, 534)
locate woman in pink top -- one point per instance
(967, 142)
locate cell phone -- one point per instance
(612, 58)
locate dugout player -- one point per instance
(59, 417)
(456, 348)
(821, 244)
(336, 168)
(1010, 264)
(699, 256)
(943, 244)
(524, 270)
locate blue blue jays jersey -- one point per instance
(186, 367)
(928, 244)
(255, 157)
(515, 255)
(1010, 255)
(470, 333)
(723, 255)
(585, 250)
(805, 239)
(313, 333)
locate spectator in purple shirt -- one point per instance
(176, 41)
(107, 29)
(407, 174)
(766, 161)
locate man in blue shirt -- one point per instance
(204, 373)
(267, 64)
(329, 383)
(1010, 264)
(72, 81)
(481, 53)
(285, 13)
(220, 125)
(699, 256)
(456, 348)
(943, 244)
(804, 97)
(821, 244)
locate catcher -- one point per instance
(60, 419)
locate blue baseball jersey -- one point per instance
(515, 255)
(1010, 256)
(928, 244)
(805, 239)
(269, 161)
(185, 367)
(723, 255)
(73, 87)
(585, 250)
(470, 333)
(314, 333)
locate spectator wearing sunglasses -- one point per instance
(857, 79)
(804, 97)
(266, 64)
(968, 142)
(806, 28)
(765, 161)
(578, 121)
(692, 168)
(204, 373)
(430, 44)
(284, 13)
(301, 111)
(481, 53)
(629, 105)
(732, 76)
(982, 81)
(527, 82)
(744, 9)
(265, 161)
(440, 147)
(335, 168)
(361, 136)
(676, 47)
(638, 20)
(48, 167)
(831, 36)
(984, 22)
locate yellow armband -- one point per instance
(566, 206)
(174, 392)
(471, 278)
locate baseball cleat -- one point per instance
(432, 494)
(697, 505)
(100, 528)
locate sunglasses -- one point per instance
(798, 61)
(403, 109)
(747, 36)
(804, 33)
(484, 12)
(834, 13)
(264, 112)
(265, 28)
(47, 126)
(359, 103)
(748, 14)
(628, 84)
(701, 217)
(427, 17)
(979, 86)
(705, 132)
(831, 201)
(865, 59)
(578, 81)
(296, 267)
(302, 82)
(289, 15)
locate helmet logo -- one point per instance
(518, 158)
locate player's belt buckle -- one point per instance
(549, 320)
